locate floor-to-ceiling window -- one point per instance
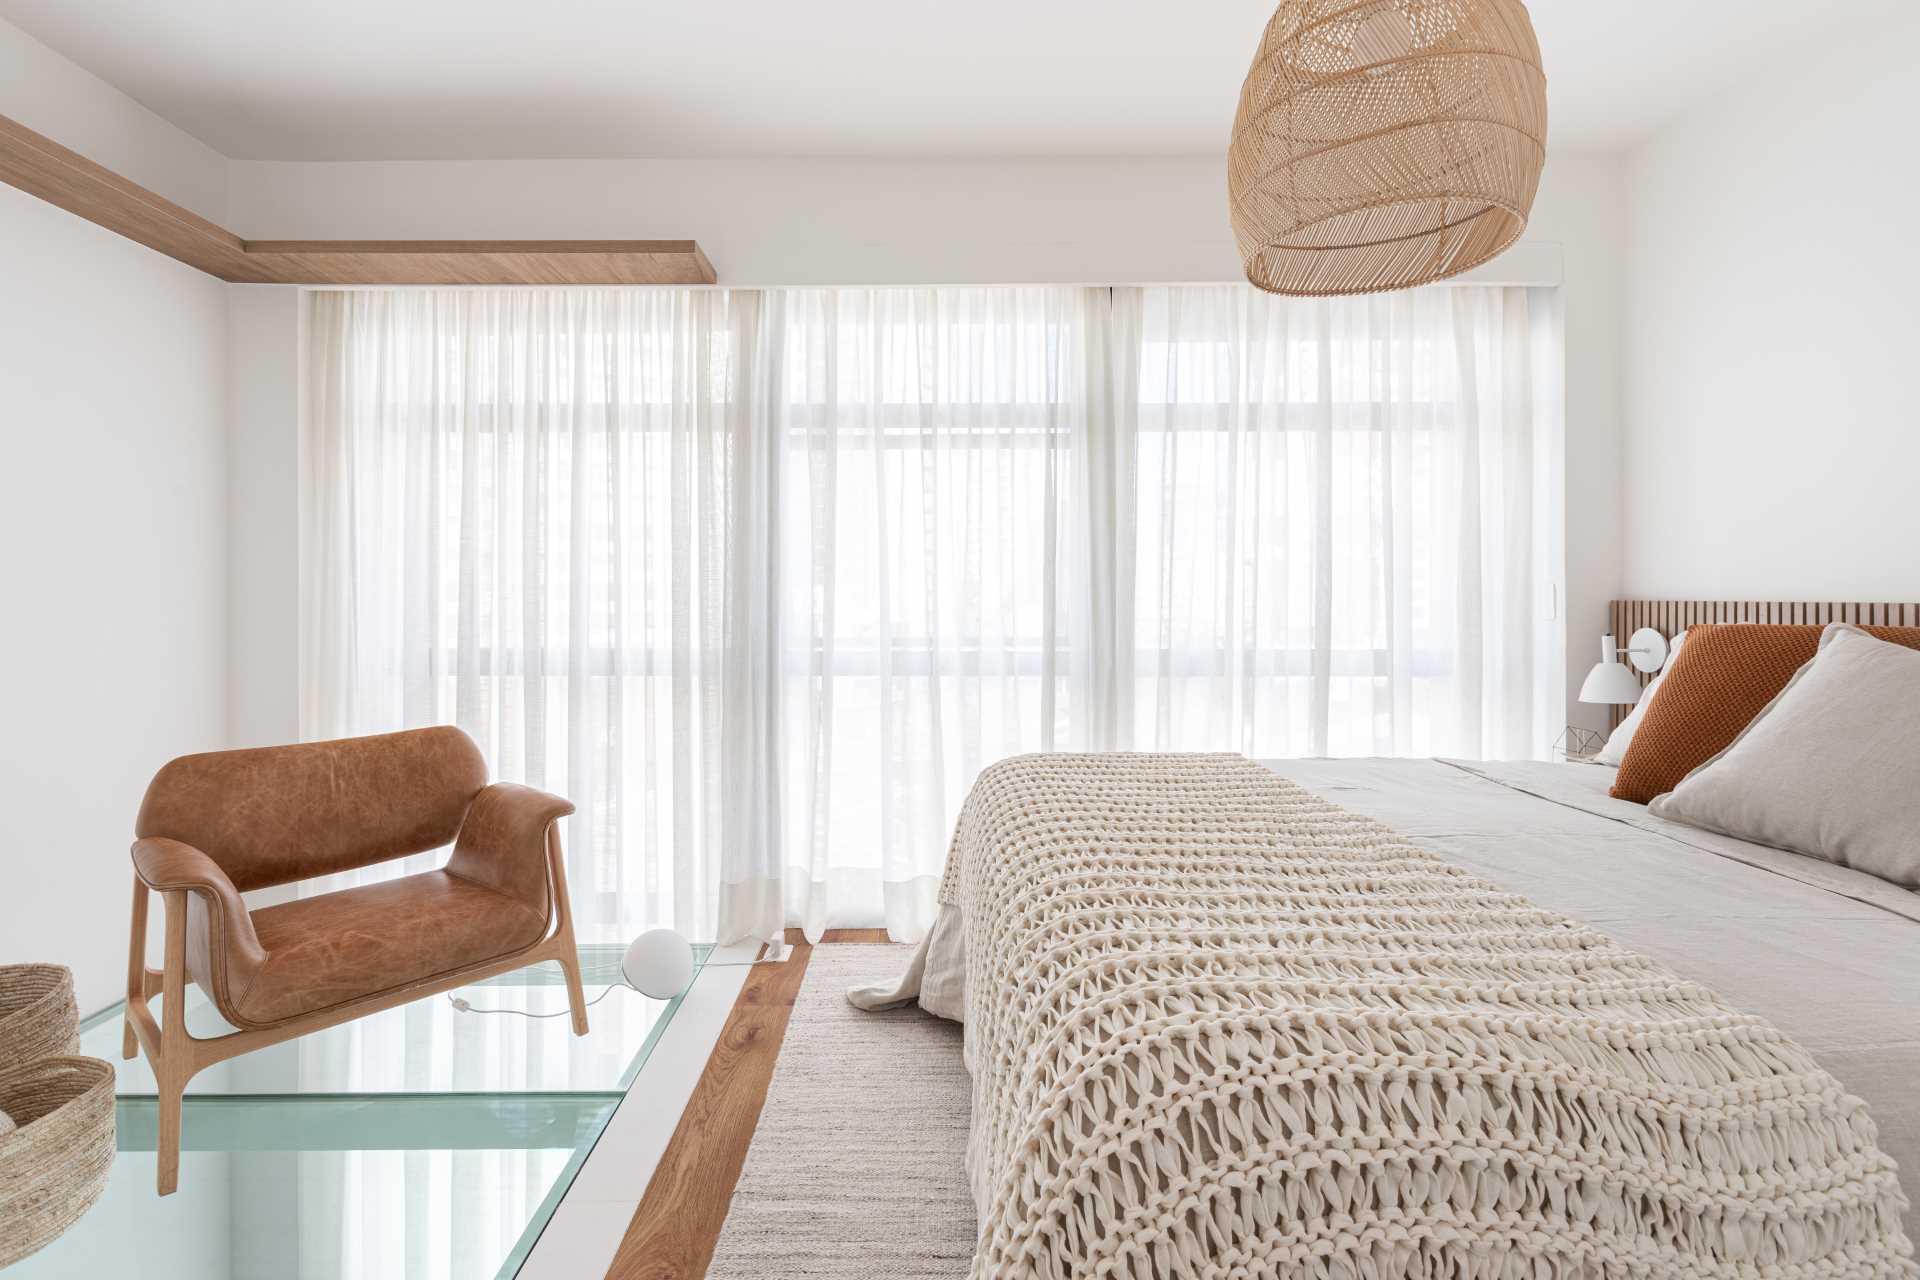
(761, 579)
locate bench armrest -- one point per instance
(503, 843)
(170, 866)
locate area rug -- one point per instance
(856, 1168)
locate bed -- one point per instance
(1827, 955)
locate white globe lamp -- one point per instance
(659, 963)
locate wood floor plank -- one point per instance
(674, 1230)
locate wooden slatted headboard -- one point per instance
(1670, 617)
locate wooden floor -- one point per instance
(673, 1231)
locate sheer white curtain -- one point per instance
(930, 573)
(1344, 521)
(541, 515)
(762, 579)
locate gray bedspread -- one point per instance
(1829, 955)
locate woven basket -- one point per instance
(54, 1166)
(38, 1018)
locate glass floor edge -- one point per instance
(419, 1142)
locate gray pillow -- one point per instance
(1830, 768)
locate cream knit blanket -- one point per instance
(1220, 1027)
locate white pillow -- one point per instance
(1616, 749)
(1829, 768)
(6, 1124)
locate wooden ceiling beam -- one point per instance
(483, 261)
(42, 167)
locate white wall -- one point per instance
(112, 518)
(1580, 207)
(831, 222)
(774, 222)
(1774, 296)
(264, 350)
(113, 524)
(83, 113)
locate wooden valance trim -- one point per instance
(42, 167)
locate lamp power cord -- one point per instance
(776, 954)
(461, 1004)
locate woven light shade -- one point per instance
(1385, 144)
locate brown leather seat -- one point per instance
(216, 825)
(229, 821)
(341, 946)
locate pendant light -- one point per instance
(1385, 144)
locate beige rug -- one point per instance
(855, 1170)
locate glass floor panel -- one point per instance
(422, 1143)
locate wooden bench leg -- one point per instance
(173, 1066)
(136, 968)
(576, 997)
(567, 952)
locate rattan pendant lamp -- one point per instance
(1384, 144)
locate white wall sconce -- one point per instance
(1611, 682)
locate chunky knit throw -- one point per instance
(1221, 1027)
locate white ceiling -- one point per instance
(421, 79)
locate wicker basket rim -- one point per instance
(55, 978)
(64, 1061)
(90, 1074)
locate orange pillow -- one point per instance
(1724, 676)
